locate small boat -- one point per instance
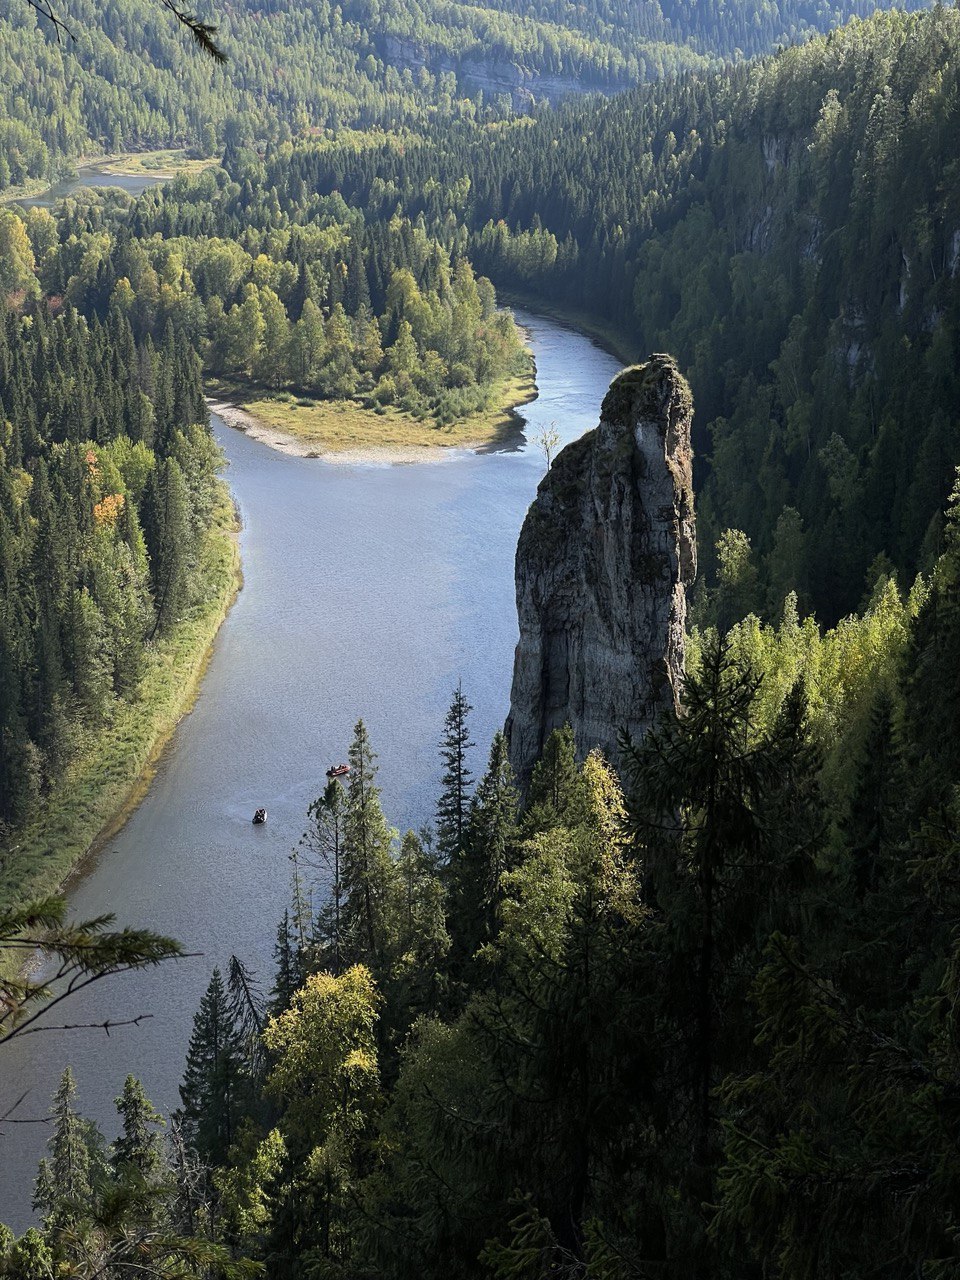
(259, 817)
(338, 771)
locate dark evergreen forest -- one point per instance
(698, 1020)
(790, 230)
(125, 78)
(107, 489)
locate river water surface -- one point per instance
(368, 591)
(91, 175)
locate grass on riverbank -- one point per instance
(24, 190)
(158, 164)
(344, 426)
(104, 784)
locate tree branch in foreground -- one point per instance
(203, 33)
(85, 953)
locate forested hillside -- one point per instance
(712, 27)
(127, 80)
(107, 475)
(697, 1024)
(790, 231)
(112, 312)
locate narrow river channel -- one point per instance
(368, 591)
(90, 175)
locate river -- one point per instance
(91, 175)
(368, 591)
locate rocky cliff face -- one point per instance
(526, 86)
(606, 553)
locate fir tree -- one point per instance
(368, 868)
(453, 804)
(139, 1147)
(215, 1086)
(489, 850)
(63, 1192)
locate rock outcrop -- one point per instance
(525, 85)
(606, 553)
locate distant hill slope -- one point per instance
(790, 230)
(130, 81)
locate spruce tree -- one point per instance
(873, 824)
(453, 805)
(324, 839)
(139, 1147)
(556, 793)
(727, 824)
(247, 1006)
(369, 873)
(490, 846)
(215, 1086)
(170, 540)
(288, 973)
(63, 1192)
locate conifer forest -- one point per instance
(672, 1004)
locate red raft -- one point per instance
(338, 771)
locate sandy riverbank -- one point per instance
(234, 416)
(242, 419)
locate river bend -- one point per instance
(368, 591)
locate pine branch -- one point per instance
(202, 32)
(58, 25)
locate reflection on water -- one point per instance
(368, 591)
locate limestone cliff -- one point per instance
(606, 553)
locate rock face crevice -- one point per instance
(605, 555)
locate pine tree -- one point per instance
(369, 873)
(453, 804)
(215, 1086)
(63, 1192)
(139, 1146)
(324, 839)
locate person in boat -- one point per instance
(260, 816)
